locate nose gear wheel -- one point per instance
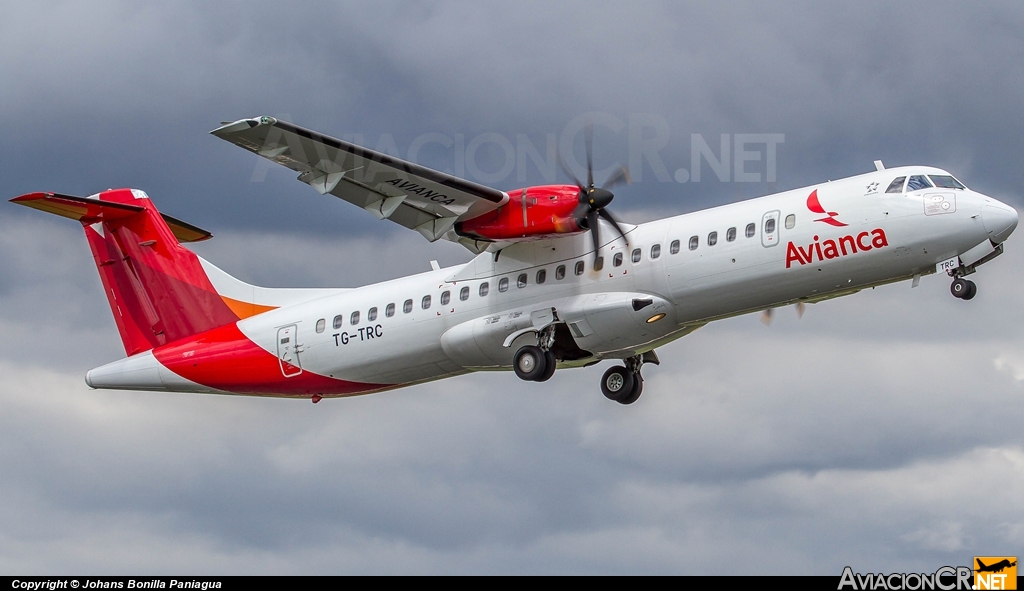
(964, 289)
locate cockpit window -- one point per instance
(918, 181)
(945, 181)
(897, 185)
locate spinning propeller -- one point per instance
(593, 201)
(766, 316)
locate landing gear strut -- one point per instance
(624, 384)
(965, 289)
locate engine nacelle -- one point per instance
(533, 213)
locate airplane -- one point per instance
(994, 568)
(557, 282)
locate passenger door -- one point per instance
(288, 350)
(770, 229)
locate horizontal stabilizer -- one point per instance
(184, 231)
(90, 211)
(85, 210)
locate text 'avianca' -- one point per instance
(832, 249)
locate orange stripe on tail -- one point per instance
(244, 309)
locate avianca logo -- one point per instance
(815, 206)
(832, 249)
(411, 187)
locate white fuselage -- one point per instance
(897, 240)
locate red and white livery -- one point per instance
(556, 282)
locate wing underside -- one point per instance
(419, 198)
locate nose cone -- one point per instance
(1000, 220)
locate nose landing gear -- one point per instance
(964, 289)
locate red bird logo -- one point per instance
(815, 206)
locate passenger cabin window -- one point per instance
(918, 181)
(371, 315)
(599, 263)
(769, 226)
(503, 284)
(655, 251)
(896, 186)
(617, 259)
(446, 296)
(559, 272)
(354, 318)
(321, 325)
(337, 321)
(485, 288)
(712, 238)
(945, 181)
(407, 306)
(730, 234)
(749, 232)
(425, 302)
(389, 311)
(579, 268)
(464, 293)
(790, 221)
(674, 247)
(542, 276)
(521, 280)
(694, 241)
(636, 255)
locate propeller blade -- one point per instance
(800, 307)
(610, 219)
(593, 224)
(589, 145)
(766, 317)
(617, 177)
(523, 199)
(568, 173)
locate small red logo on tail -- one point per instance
(815, 206)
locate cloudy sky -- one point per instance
(880, 431)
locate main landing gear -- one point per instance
(965, 289)
(624, 384)
(536, 363)
(621, 383)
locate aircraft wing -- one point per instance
(414, 196)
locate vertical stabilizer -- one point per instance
(157, 289)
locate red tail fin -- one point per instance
(156, 288)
